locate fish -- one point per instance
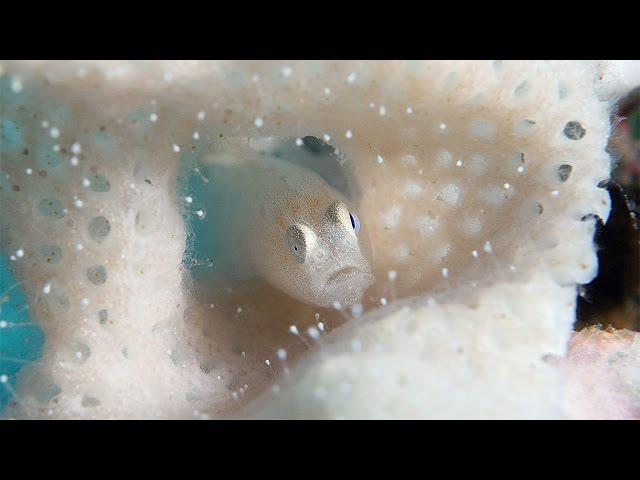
(271, 217)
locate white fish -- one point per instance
(284, 222)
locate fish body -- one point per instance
(274, 218)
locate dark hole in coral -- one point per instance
(564, 171)
(613, 297)
(574, 130)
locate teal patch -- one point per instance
(10, 137)
(48, 159)
(21, 342)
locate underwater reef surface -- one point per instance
(479, 184)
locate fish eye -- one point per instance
(355, 221)
(339, 213)
(298, 240)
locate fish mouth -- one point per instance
(343, 275)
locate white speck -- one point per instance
(555, 193)
(431, 301)
(16, 85)
(507, 186)
(201, 115)
(445, 272)
(176, 148)
(56, 148)
(200, 213)
(79, 247)
(443, 126)
(239, 310)
(244, 354)
(351, 77)
(211, 306)
(275, 389)
(12, 257)
(313, 333)
(168, 76)
(293, 329)
(380, 159)
(234, 395)
(383, 301)
(86, 182)
(321, 326)
(475, 253)
(259, 122)
(356, 345)
(65, 211)
(28, 171)
(78, 203)
(299, 142)
(371, 105)
(20, 253)
(54, 132)
(76, 148)
(327, 91)
(337, 305)
(459, 163)
(169, 352)
(357, 309)
(487, 247)
(512, 268)
(74, 161)
(255, 78)
(282, 354)
(196, 135)
(46, 289)
(81, 72)
(326, 137)
(382, 111)
(409, 110)
(392, 275)
(348, 134)
(84, 302)
(4, 378)
(268, 362)
(520, 169)
(4, 324)
(188, 199)
(45, 124)
(287, 71)
(153, 117)
(132, 186)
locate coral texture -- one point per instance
(479, 182)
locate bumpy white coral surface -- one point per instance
(479, 186)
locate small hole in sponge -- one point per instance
(574, 130)
(99, 228)
(51, 253)
(564, 171)
(99, 183)
(51, 208)
(97, 274)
